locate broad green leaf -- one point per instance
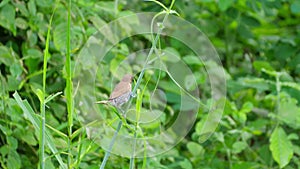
(295, 7)
(60, 37)
(192, 60)
(291, 85)
(259, 65)
(283, 51)
(4, 3)
(12, 83)
(293, 136)
(289, 112)
(258, 126)
(128, 21)
(281, 147)
(195, 149)
(45, 3)
(265, 153)
(258, 83)
(209, 27)
(249, 21)
(32, 7)
(15, 69)
(22, 7)
(225, 4)
(247, 107)
(7, 18)
(12, 142)
(185, 164)
(246, 165)
(105, 6)
(244, 31)
(26, 134)
(13, 160)
(97, 21)
(21, 23)
(238, 146)
(33, 53)
(6, 56)
(32, 37)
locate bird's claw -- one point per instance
(132, 94)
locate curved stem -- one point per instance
(149, 54)
(107, 153)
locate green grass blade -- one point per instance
(69, 85)
(30, 114)
(42, 98)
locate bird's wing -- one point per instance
(120, 89)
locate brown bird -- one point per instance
(121, 92)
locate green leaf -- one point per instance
(239, 146)
(45, 3)
(33, 53)
(250, 21)
(209, 27)
(295, 7)
(244, 31)
(195, 149)
(13, 160)
(22, 7)
(12, 142)
(283, 51)
(6, 56)
(32, 37)
(185, 164)
(26, 134)
(245, 165)
(15, 69)
(225, 4)
(293, 136)
(281, 147)
(291, 85)
(32, 7)
(97, 22)
(259, 65)
(60, 37)
(12, 83)
(39, 94)
(247, 107)
(193, 60)
(209, 123)
(4, 3)
(21, 23)
(7, 18)
(289, 112)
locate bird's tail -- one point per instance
(102, 102)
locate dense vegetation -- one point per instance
(47, 108)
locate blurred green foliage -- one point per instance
(258, 42)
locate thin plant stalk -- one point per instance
(42, 100)
(107, 153)
(139, 102)
(150, 53)
(69, 86)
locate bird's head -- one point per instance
(127, 78)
